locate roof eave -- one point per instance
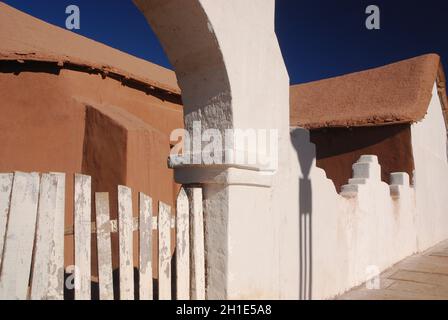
(106, 71)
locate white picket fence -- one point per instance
(32, 210)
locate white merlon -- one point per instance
(367, 167)
(368, 158)
(399, 178)
(398, 182)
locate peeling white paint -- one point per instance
(18, 248)
(82, 212)
(183, 247)
(145, 228)
(164, 252)
(125, 231)
(104, 246)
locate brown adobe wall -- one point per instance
(119, 148)
(74, 122)
(337, 149)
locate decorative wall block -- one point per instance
(399, 178)
(350, 190)
(365, 169)
(399, 181)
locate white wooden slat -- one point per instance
(20, 233)
(125, 228)
(44, 240)
(197, 244)
(145, 247)
(164, 252)
(83, 206)
(104, 246)
(5, 200)
(56, 274)
(182, 247)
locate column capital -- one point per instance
(222, 175)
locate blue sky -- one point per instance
(319, 38)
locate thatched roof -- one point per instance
(24, 38)
(395, 93)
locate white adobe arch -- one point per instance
(190, 43)
(232, 75)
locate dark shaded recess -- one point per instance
(337, 149)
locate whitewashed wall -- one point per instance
(225, 88)
(372, 229)
(254, 246)
(431, 175)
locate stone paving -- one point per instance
(420, 277)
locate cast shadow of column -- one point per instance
(306, 154)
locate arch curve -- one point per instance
(189, 41)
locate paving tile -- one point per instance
(387, 295)
(420, 277)
(419, 288)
